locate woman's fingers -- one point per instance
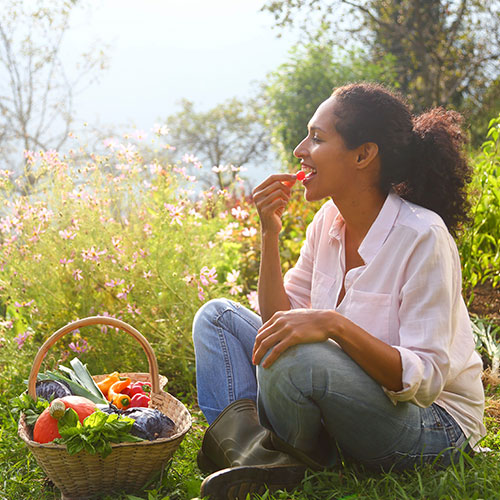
(270, 333)
(289, 179)
(271, 198)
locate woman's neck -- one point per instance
(359, 213)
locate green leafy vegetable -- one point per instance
(78, 379)
(27, 405)
(96, 434)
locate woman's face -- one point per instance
(329, 164)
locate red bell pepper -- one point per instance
(139, 388)
(139, 400)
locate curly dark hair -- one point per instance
(422, 157)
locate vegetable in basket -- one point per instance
(95, 434)
(150, 423)
(46, 426)
(105, 384)
(138, 388)
(50, 389)
(78, 380)
(116, 396)
(139, 400)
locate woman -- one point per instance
(365, 347)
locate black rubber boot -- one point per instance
(247, 456)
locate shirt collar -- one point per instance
(337, 227)
(381, 227)
(378, 231)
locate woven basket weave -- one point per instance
(130, 465)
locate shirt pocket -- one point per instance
(321, 291)
(370, 311)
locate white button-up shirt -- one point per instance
(408, 294)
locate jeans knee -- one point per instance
(306, 367)
(207, 316)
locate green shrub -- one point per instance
(479, 245)
(112, 235)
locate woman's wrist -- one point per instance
(334, 324)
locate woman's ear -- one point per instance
(365, 154)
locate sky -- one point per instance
(161, 51)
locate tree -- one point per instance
(36, 88)
(224, 138)
(298, 86)
(447, 52)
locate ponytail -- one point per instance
(440, 171)
(422, 157)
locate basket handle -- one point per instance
(95, 320)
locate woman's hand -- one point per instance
(288, 328)
(270, 198)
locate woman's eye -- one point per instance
(316, 138)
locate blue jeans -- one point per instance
(313, 388)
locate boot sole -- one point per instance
(235, 483)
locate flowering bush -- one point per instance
(116, 235)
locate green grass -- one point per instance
(471, 478)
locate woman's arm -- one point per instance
(302, 326)
(271, 198)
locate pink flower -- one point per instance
(36, 234)
(7, 324)
(77, 274)
(227, 233)
(111, 143)
(116, 242)
(147, 275)
(239, 213)
(93, 254)
(249, 232)
(140, 135)
(67, 234)
(175, 213)
(201, 293)
(125, 291)
(22, 337)
(231, 280)
(29, 155)
(253, 300)
(219, 169)
(65, 261)
(113, 283)
(133, 309)
(159, 129)
(208, 275)
(79, 347)
(18, 305)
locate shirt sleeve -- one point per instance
(428, 297)
(297, 281)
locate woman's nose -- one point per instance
(299, 151)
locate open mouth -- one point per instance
(309, 171)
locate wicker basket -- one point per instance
(130, 465)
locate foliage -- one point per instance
(114, 236)
(96, 433)
(298, 86)
(479, 245)
(445, 53)
(224, 138)
(32, 409)
(487, 338)
(37, 88)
